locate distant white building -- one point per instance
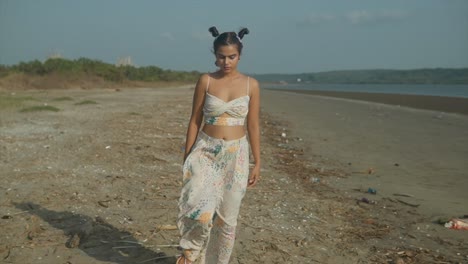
(124, 61)
(299, 80)
(55, 55)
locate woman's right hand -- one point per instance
(254, 176)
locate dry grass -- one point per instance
(38, 108)
(21, 81)
(63, 98)
(12, 101)
(86, 102)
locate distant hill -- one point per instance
(417, 76)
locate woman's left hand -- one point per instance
(254, 176)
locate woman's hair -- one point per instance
(228, 38)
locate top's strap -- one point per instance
(208, 84)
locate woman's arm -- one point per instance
(253, 128)
(197, 114)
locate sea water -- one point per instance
(416, 89)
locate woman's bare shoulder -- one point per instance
(204, 77)
(254, 84)
(203, 81)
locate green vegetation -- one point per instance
(40, 108)
(85, 102)
(87, 67)
(84, 67)
(64, 98)
(8, 100)
(419, 76)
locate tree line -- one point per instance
(417, 76)
(109, 72)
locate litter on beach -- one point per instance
(368, 171)
(456, 223)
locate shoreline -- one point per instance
(457, 105)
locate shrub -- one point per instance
(40, 108)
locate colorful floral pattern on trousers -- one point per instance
(215, 176)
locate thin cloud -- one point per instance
(201, 35)
(360, 17)
(168, 36)
(357, 17)
(315, 19)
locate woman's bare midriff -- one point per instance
(224, 132)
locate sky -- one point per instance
(294, 36)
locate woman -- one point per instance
(216, 160)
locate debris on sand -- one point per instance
(456, 223)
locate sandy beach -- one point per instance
(412, 150)
(98, 180)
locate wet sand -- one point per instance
(435, 103)
(422, 153)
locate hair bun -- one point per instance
(243, 32)
(214, 31)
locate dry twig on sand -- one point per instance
(406, 203)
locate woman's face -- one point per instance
(227, 58)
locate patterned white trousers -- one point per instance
(215, 176)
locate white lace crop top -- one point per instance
(237, 109)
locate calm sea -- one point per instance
(418, 89)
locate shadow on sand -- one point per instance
(97, 238)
